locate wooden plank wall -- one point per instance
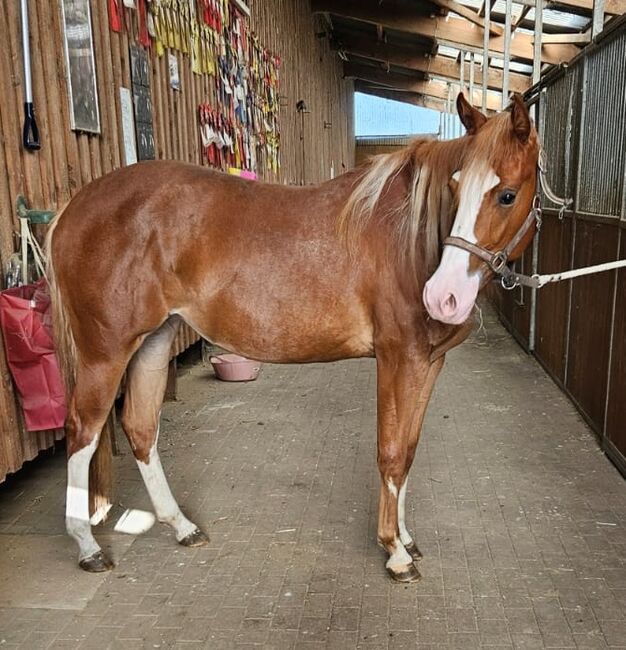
(322, 139)
(365, 151)
(314, 145)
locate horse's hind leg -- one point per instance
(91, 402)
(145, 388)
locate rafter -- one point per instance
(456, 31)
(469, 14)
(400, 82)
(580, 39)
(436, 66)
(518, 22)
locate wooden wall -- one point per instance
(314, 145)
(319, 143)
(368, 147)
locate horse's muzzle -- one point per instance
(450, 297)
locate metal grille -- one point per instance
(559, 111)
(603, 143)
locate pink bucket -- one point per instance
(232, 367)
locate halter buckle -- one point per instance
(498, 262)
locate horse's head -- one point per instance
(496, 187)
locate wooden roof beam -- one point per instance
(437, 66)
(521, 17)
(469, 14)
(580, 39)
(455, 31)
(398, 82)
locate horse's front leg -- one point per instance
(405, 382)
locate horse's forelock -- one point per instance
(497, 141)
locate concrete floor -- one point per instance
(521, 519)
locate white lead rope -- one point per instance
(537, 281)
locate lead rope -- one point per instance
(510, 280)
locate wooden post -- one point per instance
(170, 388)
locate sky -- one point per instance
(377, 116)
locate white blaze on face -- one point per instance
(450, 293)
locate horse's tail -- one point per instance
(100, 469)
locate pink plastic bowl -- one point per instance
(232, 367)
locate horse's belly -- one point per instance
(291, 334)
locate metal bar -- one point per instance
(471, 78)
(507, 52)
(537, 41)
(486, 54)
(575, 208)
(462, 69)
(448, 116)
(598, 17)
(532, 331)
(611, 340)
(457, 121)
(28, 86)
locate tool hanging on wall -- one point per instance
(30, 132)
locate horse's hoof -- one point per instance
(413, 551)
(197, 538)
(96, 563)
(405, 574)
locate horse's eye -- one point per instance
(507, 197)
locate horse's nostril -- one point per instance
(449, 304)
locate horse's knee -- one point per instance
(391, 465)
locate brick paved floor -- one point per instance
(521, 519)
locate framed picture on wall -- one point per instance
(83, 91)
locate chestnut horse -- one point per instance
(354, 267)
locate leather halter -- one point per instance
(498, 261)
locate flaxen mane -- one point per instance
(428, 209)
(427, 206)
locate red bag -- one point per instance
(26, 320)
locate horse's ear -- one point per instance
(471, 118)
(520, 119)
